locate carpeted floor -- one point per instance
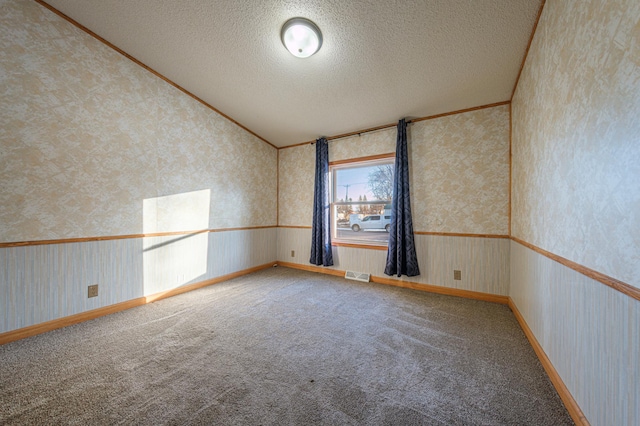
(284, 347)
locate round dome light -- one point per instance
(301, 37)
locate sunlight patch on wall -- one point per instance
(188, 211)
(171, 261)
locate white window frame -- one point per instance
(362, 239)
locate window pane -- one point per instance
(362, 183)
(361, 198)
(363, 227)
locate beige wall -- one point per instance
(459, 184)
(459, 172)
(295, 185)
(576, 168)
(88, 137)
(91, 144)
(576, 137)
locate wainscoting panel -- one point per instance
(233, 251)
(484, 262)
(297, 240)
(589, 331)
(46, 282)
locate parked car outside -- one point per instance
(374, 221)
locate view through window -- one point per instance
(361, 200)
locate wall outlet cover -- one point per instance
(92, 291)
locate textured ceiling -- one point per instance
(380, 60)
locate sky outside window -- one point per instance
(357, 179)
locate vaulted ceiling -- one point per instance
(380, 60)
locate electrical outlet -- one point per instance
(93, 291)
(293, 253)
(457, 275)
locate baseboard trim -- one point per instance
(467, 294)
(570, 403)
(447, 291)
(311, 268)
(184, 289)
(33, 330)
(43, 327)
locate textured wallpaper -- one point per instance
(460, 168)
(576, 137)
(86, 136)
(295, 188)
(459, 172)
(365, 145)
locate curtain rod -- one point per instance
(415, 120)
(360, 132)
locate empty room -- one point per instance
(357, 212)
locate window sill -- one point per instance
(358, 245)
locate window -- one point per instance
(361, 193)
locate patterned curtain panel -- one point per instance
(321, 228)
(401, 254)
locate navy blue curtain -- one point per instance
(321, 228)
(401, 253)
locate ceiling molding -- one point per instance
(526, 52)
(413, 120)
(149, 69)
(376, 63)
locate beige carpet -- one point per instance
(284, 347)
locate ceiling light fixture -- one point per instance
(301, 37)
